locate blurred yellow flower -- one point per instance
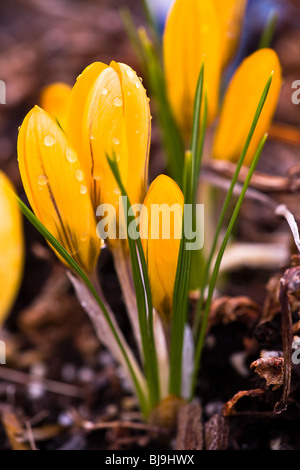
(109, 114)
(57, 187)
(160, 229)
(192, 36)
(11, 247)
(240, 103)
(55, 100)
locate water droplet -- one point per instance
(137, 84)
(140, 79)
(130, 73)
(117, 191)
(49, 140)
(116, 141)
(71, 155)
(137, 132)
(97, 174)
(79, 175)
(42, 180)
(118, 102)
(84, 236)
(92, 137)
(104, 91)
(83, 189)
(128, 93)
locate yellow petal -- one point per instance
(138, 133)
(11, 247)
(231, 16)
(161, 243)
(80, 94)
(191, 37)
(114, 118)
(56, 187)
(240, 103)
(55, 100)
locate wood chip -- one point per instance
(190, 428)
(216, 433)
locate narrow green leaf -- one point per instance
(269, 30)
(133, 35)
(152, 24)
(214, 277)
(181, 287)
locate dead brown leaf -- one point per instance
(270, 369)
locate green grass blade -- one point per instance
(152, 24)
(213, 280)
(227, 202)
(143, 295)
(133, 37)
(269, 30)
(197, 114)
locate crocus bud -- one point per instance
(192, 37)
(55, 100)
(109, 115)
(11, 247)
(240, 104)
(161, 229)
(231, 16)
(56, 187)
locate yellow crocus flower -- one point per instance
(55, 100)
(240, 103)
(231, 15)
(163, 204)
(192, 36)
(109, 114)
(11, 247)
(56, 187)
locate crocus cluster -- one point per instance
(208, 32)
(63, 148)
(67, 144)
(63, 152)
